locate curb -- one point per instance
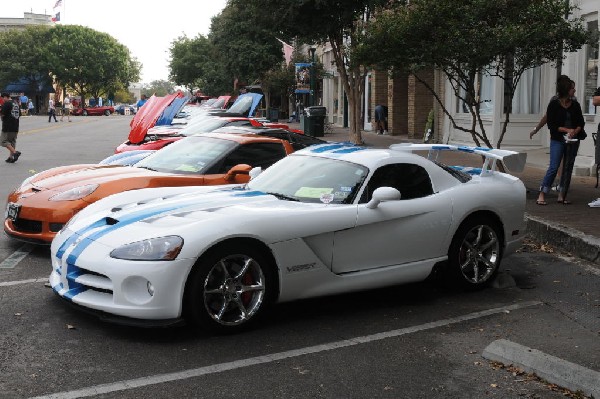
(569, 240)
(552, 369)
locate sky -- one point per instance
(147, 28)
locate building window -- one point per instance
(527, 93)
(486, 95)
(591, 72)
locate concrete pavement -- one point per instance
(573, 229)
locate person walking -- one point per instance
(141, 102)
(10, 113)
(30, 108)
(51, 110)
(380, 119)
(66, 109)
(565, 122)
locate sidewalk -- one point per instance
(574, 228)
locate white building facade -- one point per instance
(532, 96)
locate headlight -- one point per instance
(163, 248)
(74, 193)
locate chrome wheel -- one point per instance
(234, 290)
(479, 254)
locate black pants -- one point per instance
(52, 114)
(571, 150)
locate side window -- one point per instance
(411, 180)
(255, 154)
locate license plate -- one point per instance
(12, 211)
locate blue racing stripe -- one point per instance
(254, 193)
(349, 150)
(325, 147)
(67, 243)
(123, 222)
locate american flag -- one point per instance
(58, 3)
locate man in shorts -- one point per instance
(10, 114)
(66, 109)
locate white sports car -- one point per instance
(329, 219)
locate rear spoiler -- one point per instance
(511, 161)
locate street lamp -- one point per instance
(311, 99)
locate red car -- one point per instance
(85, 111)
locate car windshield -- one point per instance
(203, 126)
(311, 179)
(193, 155)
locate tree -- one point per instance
(22, 58)
(90, 62)
(339, 23)
(470, 38)
(160, 87)
(247, 50)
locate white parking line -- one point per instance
(16, 256)
(269, 358)
(19, 282)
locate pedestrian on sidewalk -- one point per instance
(565, 122)
(380, 119)
(543, 122)
(10, 113)
(30, 108)
(51, 110)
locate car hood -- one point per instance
(220, 211)
(173, 109)
(242, 106)
(148, 115)
(90, 174)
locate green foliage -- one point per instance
(81, 59)
(90, 62)
(246, 50)
(21, 56)
(338, 23)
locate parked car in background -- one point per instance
(325, 220)
(123, 109)
(94, 111)
(44, 202)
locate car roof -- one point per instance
(368, 157)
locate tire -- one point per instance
(221, 297)
(84, 113)
(475, 253)
(107, 112)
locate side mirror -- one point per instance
(240, 169)
(383, 194)
(255, 172)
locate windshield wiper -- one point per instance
(147, 167)
(284, 197)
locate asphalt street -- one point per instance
(414, 341)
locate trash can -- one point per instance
(273, 115)
(314, 121)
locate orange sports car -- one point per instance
(40, 207)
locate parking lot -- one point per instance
(416, 341)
